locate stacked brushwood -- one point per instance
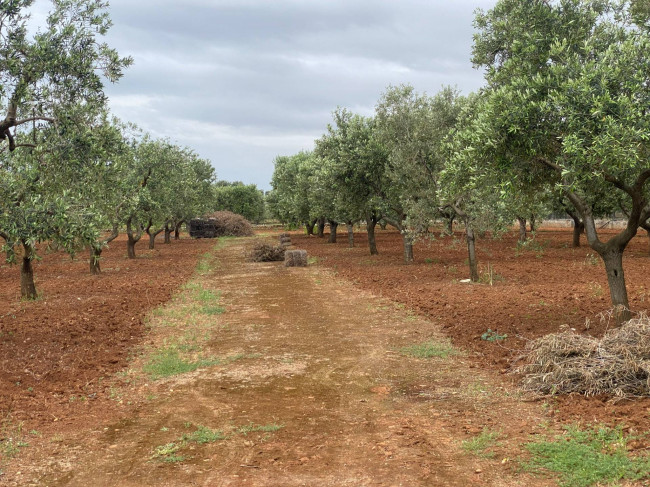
(567, 362)
(220, 224)
(265, 252)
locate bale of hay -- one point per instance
(285, 239)
(264, 252)
(564, 363)
(295, 258)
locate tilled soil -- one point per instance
(318, 358)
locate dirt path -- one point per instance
(311, 389)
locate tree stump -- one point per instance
(295, 258)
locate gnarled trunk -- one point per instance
(177, 230)
(350, 228)
(132, 238)
(333, 227)
(578, 229)
(168, 233)
(522, 229)
(321, 227)
(27, 285)
(533, 224)
(471, 250)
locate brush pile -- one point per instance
(567, 362)
(264, 252)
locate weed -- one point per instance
(481, 444)
(452, 269)
(11, 439)
(203, 435)
(312, 260)
(493, 336)
(429, 349)
(488, 276)
(167, 453)
(587, 457)
(212, 310)
(251, 428)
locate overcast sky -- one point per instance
(242, 81)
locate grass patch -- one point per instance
(12, 439)
(428, 350)
(582, 458)
(168, 362)
(481, 444)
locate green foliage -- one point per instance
(588, 457)
(245, 200)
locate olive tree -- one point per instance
(569, 90)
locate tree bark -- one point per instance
(408, 247)
(471, 250)
(333, 227)
(578, 229)
(522, 229)
(27, 285)
(95, 256)
(616, 279)
(321, 227)
(309, 228)
(177, 230)
(371, 223)
(533, 224)
(382, 224)
(132, 238)
(168, 234)
(350, 227)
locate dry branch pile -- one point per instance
(263, 252)
(567, 362)
(230, 224)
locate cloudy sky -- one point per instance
(242, 81)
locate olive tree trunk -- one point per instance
(371, 223)
(133, 237)
(350, 228)
(333, 227)
(177, 230)
(27, 285)
(471, 250)
(522, 229)
(321, 227)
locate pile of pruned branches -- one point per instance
(264, 252)
(567, 362)
(229, 224)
